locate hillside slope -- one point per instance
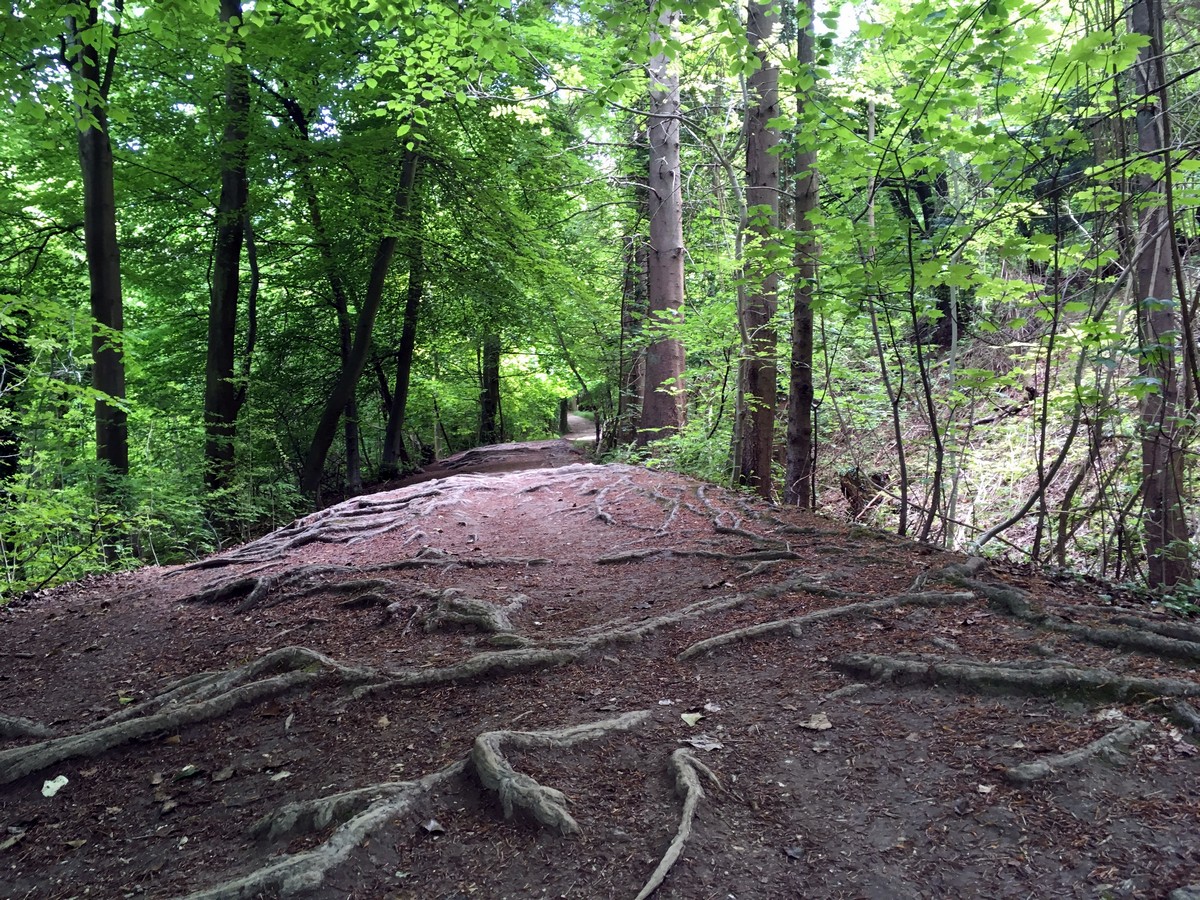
(553, 681)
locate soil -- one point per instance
(862, 722)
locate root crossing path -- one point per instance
(528, 676)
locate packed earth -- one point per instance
(530, 676)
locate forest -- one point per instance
(925, 265)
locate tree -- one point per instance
(798, 487)
(757, 373)
(1165, 526)
(352, 369)
(87, 43)
(664, 401)
(221, 396)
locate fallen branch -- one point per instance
(688, 770)
(1107, 746)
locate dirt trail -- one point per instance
(592, 681)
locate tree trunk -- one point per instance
(1164, 524)
(393, 440)
(798, 487)
(664, 401)
(220, 390)
(491, 426)
(347, 383)
(103, 259)
(756, 425)
(632, 361)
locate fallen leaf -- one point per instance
(986, 788)
(168, 806)
(54, 785)
(666, 702)
(818, 722)
(223, 775)
(712, 707)
(704, 742)
(691, 718)
(433, 826)
(156, 778)
(75, 845)
(795, 852)
(279, 776)
(172, 739)
(382, 722)
(821, 746)
(188, 771)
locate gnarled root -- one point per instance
(1035, 677)
(687, 770)
(195, 699)
(455, 608)
(794, 624)
(546, 804)
(305, 871)
(1108, 746)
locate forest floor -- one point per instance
(536, 677)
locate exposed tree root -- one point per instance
(794, 623)
(687, 770)
(667, 553)
(305, 871)
(196, 699)
(1173, 642)
(306, 816)
(18, 727)
(546, 804)
(455, 608)
(1176, 630)
(1031, 677)
(1107, 746)
(1186, 715)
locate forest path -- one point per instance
(539, 677)
(580, 429)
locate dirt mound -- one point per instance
(585, 681)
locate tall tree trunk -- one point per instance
(632, 358)
(798, 486)
(1164, 520)
(220, 390)
(394, 453)
(756, 425)
(91, 87)
(491, 425)
(664, 402)
(347, 383)
(341, 303)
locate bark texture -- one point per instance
(756, 423)
(663, 402)
(220, 390)
(798, 481)
(1165, 522)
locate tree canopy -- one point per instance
(929, 266)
